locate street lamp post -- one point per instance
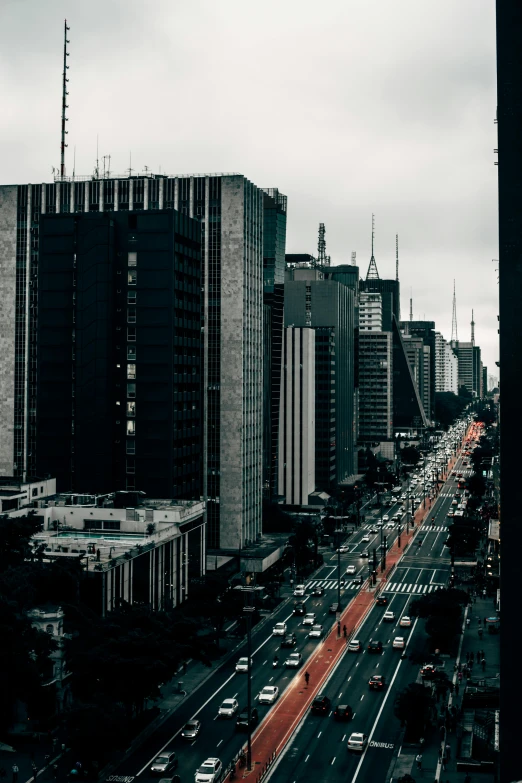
(248, 610)
(383, 556)
(399, 536)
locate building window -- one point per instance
(131, 391)
(131, 446)
(131, 315)
(131, 334)
(131, 297)
(130, 483)
(49, 629)
(131, 466)
(133, 259)
(131, 372)
(131, 352)
(132, 277)
(131, 427)
(131, 408)
(34, 492)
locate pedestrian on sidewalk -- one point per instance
(448, 751)
(15, 772)
(483, 662)
(338, 628)
(480, 632)
(418, 759)
(467, 622)
(307, 678)
(345, 631)
(35, 770)
(459, 676)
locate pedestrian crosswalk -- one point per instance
(393, 587)
(425, 528)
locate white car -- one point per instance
(279, 629)
(228, 708)
(294, 660)
(357, 742)
(351, 568)
(365, 538)
(315, 632)
(403, 496)
(343, 549)
(242, 665)
(355, 646)
(399, 643)
(418, 501)
(405, 622)
(299, 591)
(209, 771)
(269, 694)
(309, 619)
(388, 616)
(386, 518)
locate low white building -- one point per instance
(16, 494)
(145, 554)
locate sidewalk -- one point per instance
(433, 768)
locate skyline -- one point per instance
(410, 139)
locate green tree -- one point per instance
(448, 407)
(410, 455)
(476, 485)
(442, 611)
(414, 707)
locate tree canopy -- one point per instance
(413, 707)
(448, 407)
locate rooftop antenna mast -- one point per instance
(397, 257)
(354, 258)
(64, 97)
(411, 305)
(322, 258)
(372, 273)
(472, 329)
(454, 333)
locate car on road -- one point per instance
(357, 580)
(357, 742)
(386, 518)
(242, 719)
(417, 501)
(354, 646)
(164, 763)
(365, 539)
(343, 712)
(228, 708)
(373, 530)
(294, 661)
(191, 729)
(364, 554)
(379, 525)
(320, 705)
(318, 591)
(403, 496)
(242, 665)
(343, 549)
(290, 640)
(454, 502)
(382, 600)
(299, 608)
(377, 682)
(334, 608)
(405, 621)
(209, 772)
(316, 632)
(451, 513)
(375, 647)
(428, 671)
(299, 591)
(309, 618)
(269, 694)
(399, 643)
(279, 629)
(350, 569)
(388, 616)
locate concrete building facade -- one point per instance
(370, 312)
(375, 386)
(297, 417)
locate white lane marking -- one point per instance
(306, 759)
(319, 734)
(219, 743)
(332, 761)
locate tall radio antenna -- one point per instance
(64, 97)
(396, 256)
(472, 329)
(322, 258)
(454, 333)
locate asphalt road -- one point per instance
(309, 756)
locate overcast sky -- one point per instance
(347, 106)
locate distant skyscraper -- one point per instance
(469, 367)
(425, 330)
(230, 210)
(311, 300)
(446, 366)
(375, 386)
(419, 359)
(297, 418)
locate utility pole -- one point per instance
(383, 556)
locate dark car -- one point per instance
(429, 671)
(357, 580)
(320, 705)
(375, 647)
(343, 712)
(299, 608)
(318, 591)
(382, 600)
(242, 720)
(377, 682)
(191, 729)
(334, 608)
(290, 640)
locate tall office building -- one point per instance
(446, 366)
(274, 240)
(390, 293)
(370, 312)
(509, 114)
(419, 359)
(426, 331)
(375, 386)
(119, 353)
(468, 355)
(230, 210)
(313, 301)
(297, 417)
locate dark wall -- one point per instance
(119, 353)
